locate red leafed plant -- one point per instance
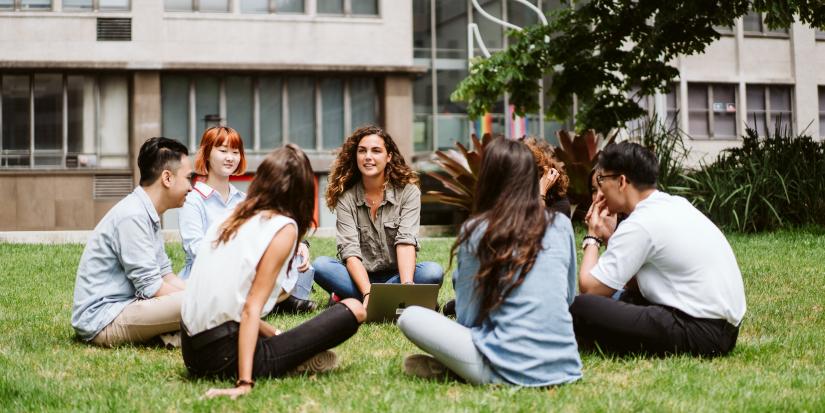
(459, 173)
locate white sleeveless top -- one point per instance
(221, 277)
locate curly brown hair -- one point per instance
(545, 159)
(344, 172)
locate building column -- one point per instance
(146, 113)
(806, 92)
(398, 112)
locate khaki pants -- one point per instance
(143, 320)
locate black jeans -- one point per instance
(214, 352)
(634, 325)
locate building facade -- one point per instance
(84, 82)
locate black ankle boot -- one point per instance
(294, 305)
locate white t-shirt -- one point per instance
(222, 276)
(679, 257)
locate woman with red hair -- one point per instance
(220, 156)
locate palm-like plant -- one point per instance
(459, 173)
(579, 154)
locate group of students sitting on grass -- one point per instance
(666, 283)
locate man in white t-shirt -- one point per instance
(683, 291)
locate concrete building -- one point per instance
(84, 82)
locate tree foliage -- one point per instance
(602, 49)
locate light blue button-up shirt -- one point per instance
(123, 261)
(203, 206)
(529, 339)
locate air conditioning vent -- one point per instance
(112, 186)
(111, 28)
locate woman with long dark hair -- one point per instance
(377, 207)
(238, 276)
(515, 279)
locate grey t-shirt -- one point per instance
(374, 241)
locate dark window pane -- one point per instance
(239, 107)
(752, 22)
(175, 107)
(207, 102)
(755, 97)
(177, 5)
(447, 82)
(81, 108)
(330, 6)
(365, 7)
(780, 98)
(492, 33)
(289, 6)
(724, 125)
(36, 4)
(302, 112)
(15, 112)
(521, 15)
(271, 112)
(697, 97)
(48, 111)
(451, 29)
(698, 124)
(756, 120)
(332, 112)
(362, 101)
(421, 28)
(6, 4)
(423, 94)
(254, 6)
(724, 94)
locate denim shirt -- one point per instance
(123, 261)
(528, 340)
(374, 241)
(203, 206)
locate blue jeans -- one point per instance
(333, 276)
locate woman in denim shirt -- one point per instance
(515, 279)
(377, 207)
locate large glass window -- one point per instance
(58, 120)
(213, 6)
(753, 23)
(175, 107)
(364, 100)
(35, 4)
(217, 6)
(347, 7)
(712, 110)
(239, 107)
(207, 102)
(769, 107)
(330, 6)
(271, 111)
(364, 7)
(302, 111)
(332, 115)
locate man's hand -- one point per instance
(232, 393)
(600, 222)
(303, 252)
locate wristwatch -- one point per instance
(591, 240)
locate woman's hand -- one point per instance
(303, 252)
(232, 393)
(548, 180)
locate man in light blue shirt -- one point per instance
(125, 291)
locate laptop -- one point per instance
(387, 301)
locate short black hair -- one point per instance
(159, 154)
(632, 160)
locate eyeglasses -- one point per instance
(600, 178)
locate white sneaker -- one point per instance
(319, 363)
(425, 366)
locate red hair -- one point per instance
(217, 136)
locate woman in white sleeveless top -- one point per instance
(239, 274)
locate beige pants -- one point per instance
(143, 320)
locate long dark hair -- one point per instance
(344, 172)
(507, 200)
(284, 183)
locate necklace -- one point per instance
(373, 203)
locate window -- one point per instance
(96, 5)
(769, 107)
(753, 23)
(277, 6)
(219, 6)
(822, 111)
(57, 120)
(26, 5)
(711, 110)
(348, 7)
(648, 104)
(820, 35)
(314, 113)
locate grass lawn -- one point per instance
(778, 364)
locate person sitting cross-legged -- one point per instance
(125, 290)
(683, 288)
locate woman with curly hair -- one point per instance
(377, 207)
(516, 277)
(554, 181)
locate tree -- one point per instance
(602, 49)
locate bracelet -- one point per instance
(594, 238)
(241, 382)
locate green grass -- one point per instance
(778, 364)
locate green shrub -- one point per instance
(767, 183)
